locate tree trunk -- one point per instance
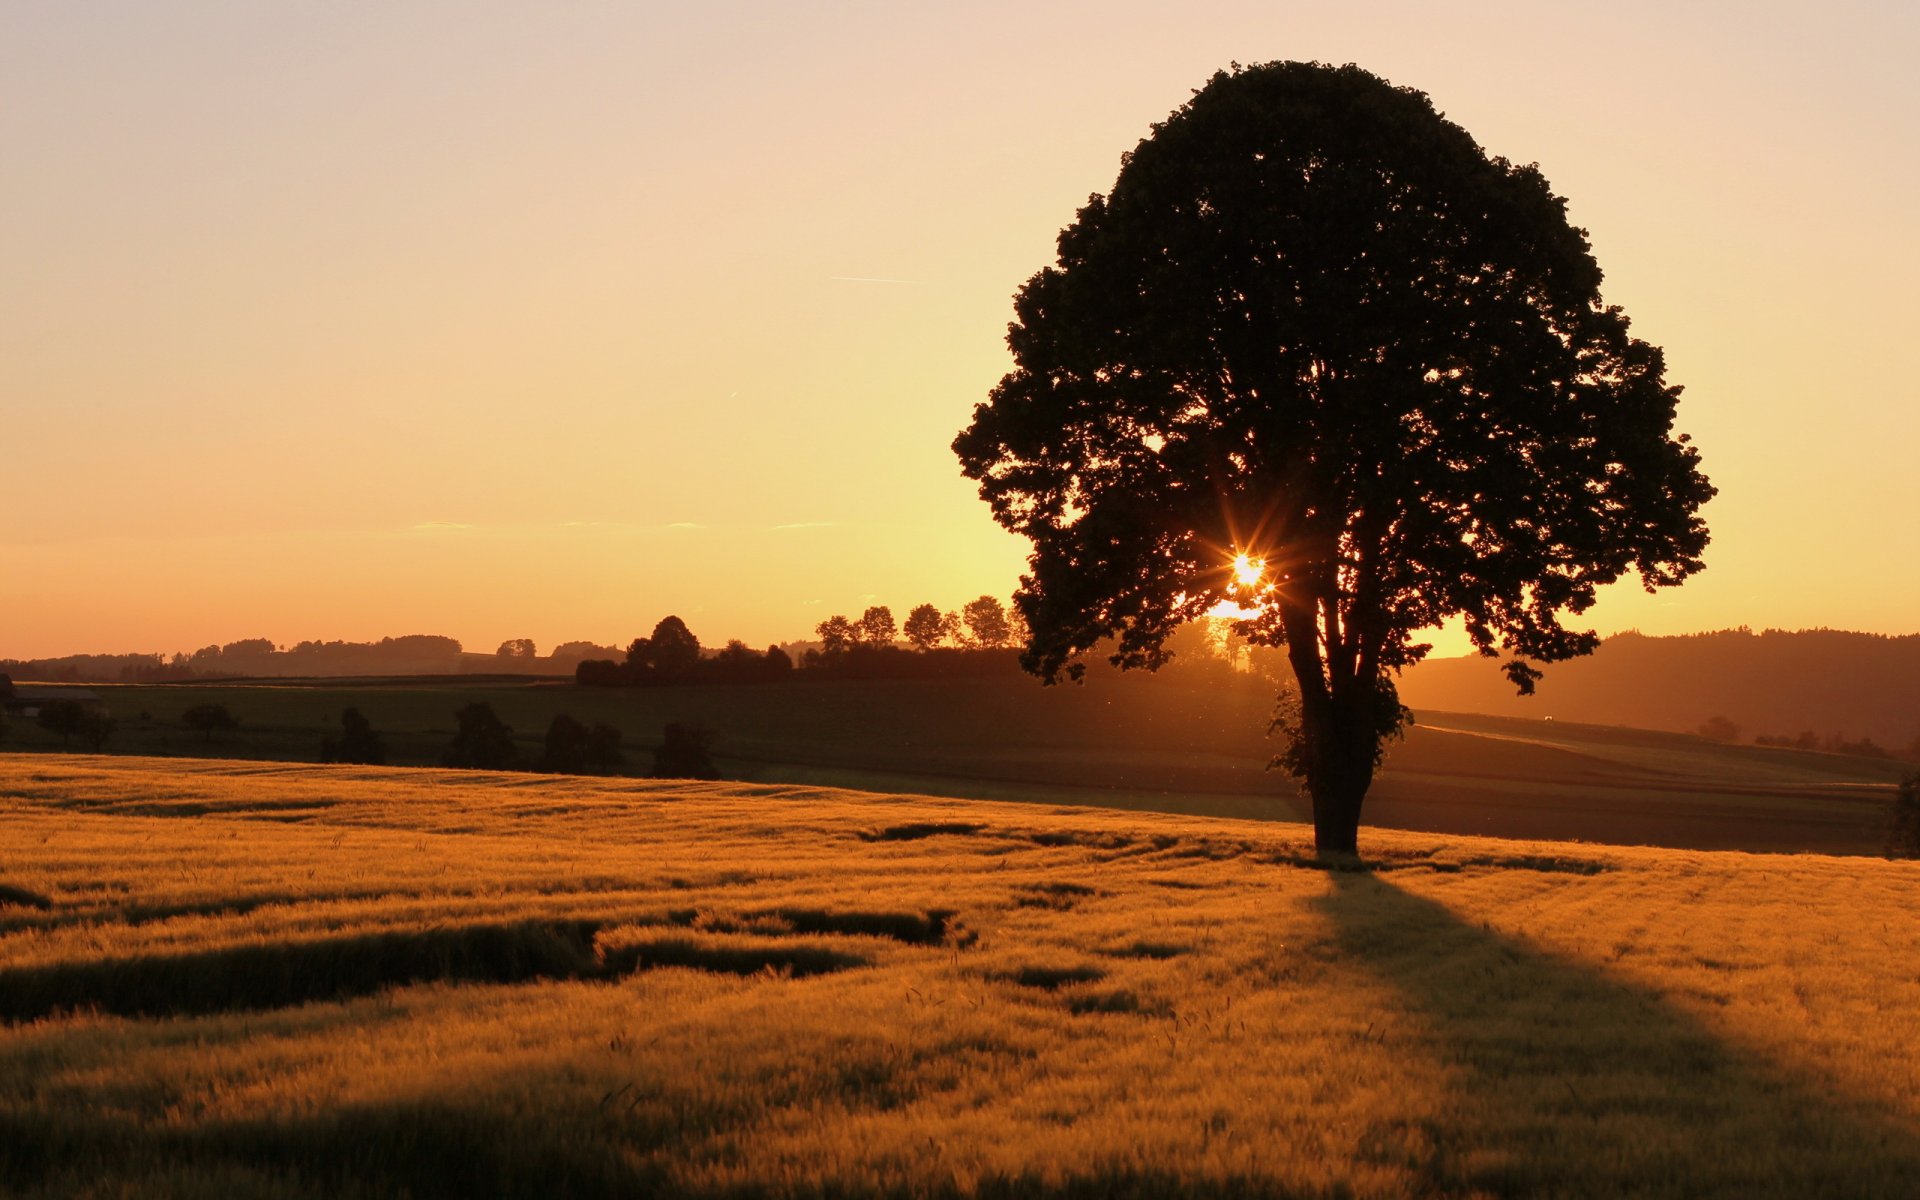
(1343, 771)
(1336, 816)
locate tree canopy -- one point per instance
(1318, 355)
(483, 741)
(209, 719)
(925, 628)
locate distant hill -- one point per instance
(1773, 683)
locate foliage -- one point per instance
(876, 627)
(595, 672)
(574, 749)
(482, 742)
(1903, 821)
(685, 753)
(577, 652)
(1316, 329)
(836, 634)
(209, 719)
(1719, 729)
(95, 728)
(987, 624)
(673, 651)
(357, 743)
(517, 648)
(64, 717)
(925, 628)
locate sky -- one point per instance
(346, 320)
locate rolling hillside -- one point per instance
(1152, 744)
(1818, 681)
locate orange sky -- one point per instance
(327, 321)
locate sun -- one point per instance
(1248, 570)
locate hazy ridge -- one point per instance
(1774, 682)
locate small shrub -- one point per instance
(64, 717)
(208, 719)
(95, 728)
(484, 742)
(684, 753)
(357, 743)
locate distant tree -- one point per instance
(565, 748)
(517, 648)
(925, 628)
(357, 743)
(575, 652)
(1903, 824)
(837, 635)
(209, 719)
(482, 742)
(876, 626)
(600, 672)
(685, 753)
(778, 661)
(64, 717)
(737, 660)
(639, 661)
(673, 650)
(603, 754)
(987, 622)
(1319, 354)
(95, 728)
(953, 628)
(1719, 729)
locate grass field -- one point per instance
(1137, 742)
(232, 979)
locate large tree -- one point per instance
(1319, 355)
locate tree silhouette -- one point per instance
(673, 650)
(987, 624)
(876, 627)
(209, 719)
(357, 743)
(94, 728)
(64, 717)
(925, 628)
(570, 748)
(517, 648)
(685, 754)
(482, 741)
(738, 661)
(1318, 354)
(639, 660)
(1903, 820)
(837, 635)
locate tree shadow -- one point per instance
(1574, 1083)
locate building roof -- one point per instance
(40, 693)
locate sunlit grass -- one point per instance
(237, 979)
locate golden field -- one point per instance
(239, 979)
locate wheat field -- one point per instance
(243, 979)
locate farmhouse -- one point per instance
(23, 700)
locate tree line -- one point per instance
(483, 742)
(977, 638)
